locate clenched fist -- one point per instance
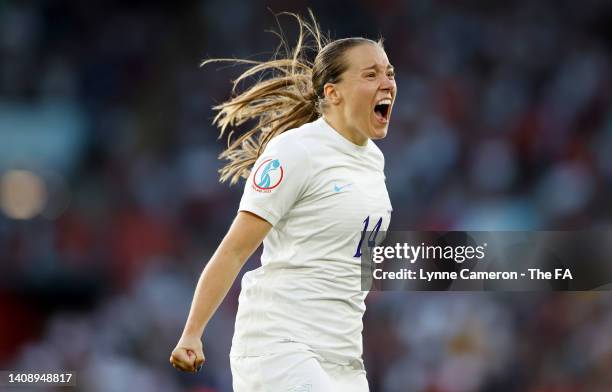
(188, 355)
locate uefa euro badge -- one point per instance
(268, 175)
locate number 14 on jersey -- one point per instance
(371, 237)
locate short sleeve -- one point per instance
(277, 179)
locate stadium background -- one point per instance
(110, 205)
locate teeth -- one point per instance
(384, 101)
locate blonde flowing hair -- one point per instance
(291, 96)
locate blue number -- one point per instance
(371, 237)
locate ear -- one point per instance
(332, 94)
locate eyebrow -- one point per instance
(389, 67)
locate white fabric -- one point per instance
(317, 189)
(297, 371)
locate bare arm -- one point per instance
(244, 236)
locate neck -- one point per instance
(341, 127)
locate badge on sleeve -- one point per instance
(268, 175)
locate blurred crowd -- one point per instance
(110, 203)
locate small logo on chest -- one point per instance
(342, 187)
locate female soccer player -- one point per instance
(315, 186)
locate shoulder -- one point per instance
(301, 140)
(294, 148)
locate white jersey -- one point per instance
(319, 191)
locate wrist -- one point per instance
(189, 333)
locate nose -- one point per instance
(387, 83)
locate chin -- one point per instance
(378, 133)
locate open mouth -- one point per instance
(382, 109)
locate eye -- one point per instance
(371, 75)
(391, 74)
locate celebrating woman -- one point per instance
(315, 185)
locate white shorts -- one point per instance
(295, 371)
